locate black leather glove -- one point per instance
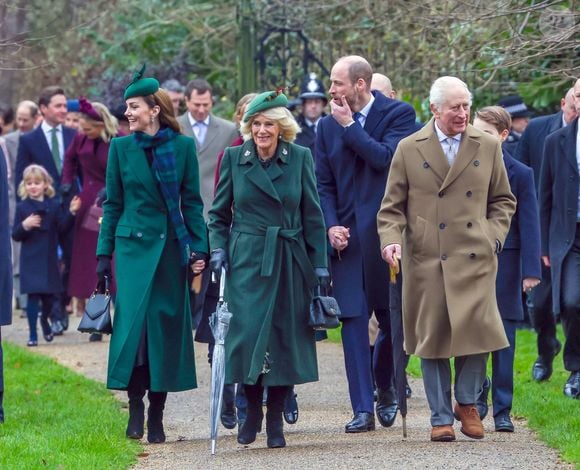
(323, 277)
(103, 268)
(101, 196)
(217, 261)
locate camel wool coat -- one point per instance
(447, 221)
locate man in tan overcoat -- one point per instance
(445, 214)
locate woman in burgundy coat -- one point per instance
(86, 160)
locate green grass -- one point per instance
(58, 419)
(555, 418)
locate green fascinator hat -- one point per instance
(141, 86)
(264, 101)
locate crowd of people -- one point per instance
(334, 190)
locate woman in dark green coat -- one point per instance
(153, 223)
(266, 229)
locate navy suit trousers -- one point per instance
(502, 377)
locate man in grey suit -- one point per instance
(211, 133)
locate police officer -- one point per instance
(314, 100)
(520, 117)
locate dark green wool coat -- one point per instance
(277, 237)
(151, 283)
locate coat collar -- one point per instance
(430, 149)
(257, 174)
(376, 112)
(568, 143)
(141, 169)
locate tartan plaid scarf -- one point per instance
(163, 167)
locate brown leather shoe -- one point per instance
(470, 422)
(443, 433)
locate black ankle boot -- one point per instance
(274, 423)
(155, 431)
(135, 392)
(253, 423)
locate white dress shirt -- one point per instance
(450, 145)
(47, 129)
(199, 128)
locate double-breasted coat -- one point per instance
(39, 267)
(352, 165)
(152, 291)
(277, 238)
(520, 256)
(559, 190)
(86, 157)
(447, 221)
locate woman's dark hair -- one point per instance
(166, 113)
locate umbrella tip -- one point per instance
(213, 447)
(404, 426)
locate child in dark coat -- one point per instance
(38, 221)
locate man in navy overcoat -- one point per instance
(354, 148)
(560, 226)
(5, 269)
(46, 146)
(530, 151)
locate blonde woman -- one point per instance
(266, 229)
(87, 156)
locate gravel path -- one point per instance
(318, 439)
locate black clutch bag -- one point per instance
(324, 312)
(97, 316)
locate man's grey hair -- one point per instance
(31, 105)
(438, 92)
(173, 85)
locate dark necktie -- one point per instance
(356, 116)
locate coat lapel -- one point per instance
(431, 151)
(467, 152)
(568, 143)
(256, 174)
(211, 134)
(138, 162)
(374, 115)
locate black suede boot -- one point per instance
(274, 423)
(254, 416)
(136, 392)
(155, 432)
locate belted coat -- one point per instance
(270, 223)
(447, 221)
(152, 290)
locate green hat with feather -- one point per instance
(141, 86)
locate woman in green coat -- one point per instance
(266, 229)
(153, 223)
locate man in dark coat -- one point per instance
(313, 97)
(46, 146)
(530, 151)
(354, 148)
(5, 269)
(560, 223)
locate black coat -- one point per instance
(39, 271)
(520, 257)
(530, 149)
(511, 143)
(352, 165)
(306, 138)
(5, 250)
(559, 187)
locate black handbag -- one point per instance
(324, 312)
(97, 316)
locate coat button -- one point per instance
(469, 194)
(476, 163)
(443, 257)
(469, 225)
(472, 255)
(425, 165)
(441, 193)
(162, 236)
(139, 234)
(441, 226)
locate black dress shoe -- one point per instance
(503, 423)
(95, 337)
(57, 328)
(361, 422)
(228, 416)
(572, 387)
(481, 403)
(542, 369)
(291, 409)
(386, 408)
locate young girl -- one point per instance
(38, 221)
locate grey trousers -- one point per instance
(470, 373)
